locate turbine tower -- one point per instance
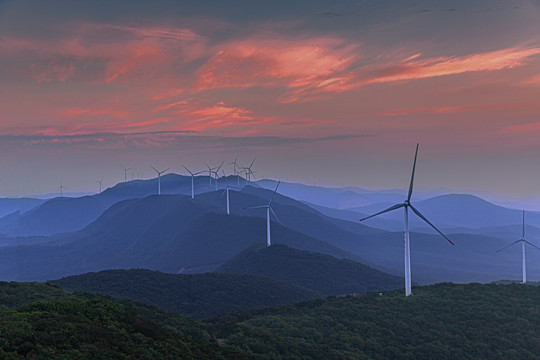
(159, 178)
(100, 182)
(269, 209)
(125, 172)
(226, 191)
(406, 205)
(192, 184)
(523, 258)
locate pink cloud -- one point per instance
(521, 128)
(444, 66)
(275, 63)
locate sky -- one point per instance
(334, 93)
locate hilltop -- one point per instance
(322, 273)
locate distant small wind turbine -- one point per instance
(523, 258)
(216, 173)
(62, 187)
(209, 172)
(236, 172)
(269, 209)
(125, 172)
(192, 183)
(406, 205)
(159, 177)
(249, 172)
(226, 191)
(100, 182)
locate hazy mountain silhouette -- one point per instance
(170, 233)
(66, 214)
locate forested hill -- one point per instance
(444, 321)
(62, 326)
(197, 295)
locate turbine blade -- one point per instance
(257, 207)
(412, 176)
(220, 165)
(273, 213)
(274, 194)
(512, 244)
(532, 244)
(523, 232)
(154, 169)
(397, 206)
(188, 170)
(250, 165)
(430, 224)
(223, 193)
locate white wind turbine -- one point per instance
(406, 205)
(100, 182)
(523, 259)
(125, 172)
(192, 184)
(159, 177)
(226, 191)
(269, 209)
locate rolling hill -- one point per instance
(197, 296)
(322, 273)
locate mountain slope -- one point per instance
(198, 296)
(318, 272)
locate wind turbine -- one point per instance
(192, 184)
(236, 172)
(100, 182)
(269, 209)
(159, 177)
(62, 187)
(248, 171)
(216, 173)
(406, 205)
(523, 259)
(226, 191)
(125, 172)
(209, 172)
